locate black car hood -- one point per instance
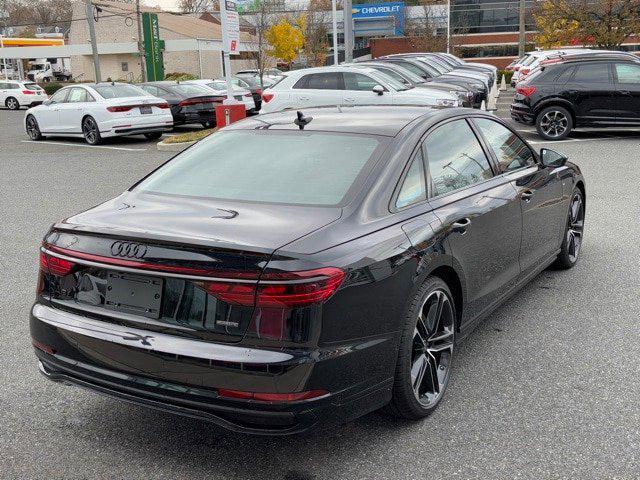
(198, 221)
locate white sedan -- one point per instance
(219, 88)
(99, 110)
(347, 85)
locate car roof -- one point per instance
(365, 119)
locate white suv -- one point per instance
(345, 85)
(15, 94)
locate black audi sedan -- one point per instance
(581, 90)
(188, 103)
(293, 269)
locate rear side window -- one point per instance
(628, 73)
(315, 168)
(34, 87)
(592, 73)
(413, 187)
(455, 157)
(119, 91)
(321, 81)
(511, 152)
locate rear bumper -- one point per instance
(522, 113)
(182, 375)
(182, 118)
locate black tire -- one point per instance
(91, 131)
(153, 135)
(12, 103)
(33, 129)
(415, 393)
(554, 123)
(573, 234)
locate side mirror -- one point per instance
(379, 89)
(47, 102)
(550, 158)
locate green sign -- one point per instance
(153, 47)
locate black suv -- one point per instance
(580, 91)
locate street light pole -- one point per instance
(347, 18)
(521, 31)
(143, 70)
(335, 32)
(448, 26)
(94, 44)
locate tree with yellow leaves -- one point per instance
(286, 39)
(601, 23)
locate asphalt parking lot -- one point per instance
(547, 387)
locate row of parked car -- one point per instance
(560, 90)
(100, 110)
(433, 79)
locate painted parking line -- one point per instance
(125, 149)
(534, 142)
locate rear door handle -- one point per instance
(461, 225)
(349, 99)
(527, 195)
(302, 97)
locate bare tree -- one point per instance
(264, 16)
(316, 46)
(423, 29)
(198, 6)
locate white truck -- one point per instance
(49, 69)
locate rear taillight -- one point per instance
(524, 71)
(515, 69)
(526, 90)
(280, 290)
(120, 108)
(271, 397)
(28, 92)
(162, 105)
(266, 97)
(55, 266)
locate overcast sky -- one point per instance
(164, 4)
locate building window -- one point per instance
(125, 66)
(488, 16)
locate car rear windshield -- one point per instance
(119, 91)
(308, 168)
(34, 87)
(190, 89)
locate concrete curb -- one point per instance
(173, 147)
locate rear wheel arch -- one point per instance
(449, 276)
(556, 103)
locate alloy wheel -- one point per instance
(554, 123)
(32, 128)
(576, 227)
(433, 343)
(90, 130)
(12, 103)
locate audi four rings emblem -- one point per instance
(128, 250)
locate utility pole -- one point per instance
(347, 18)
(521, 36)
(143, 70)
(448, 26)
(94, 44)
(334, 15)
